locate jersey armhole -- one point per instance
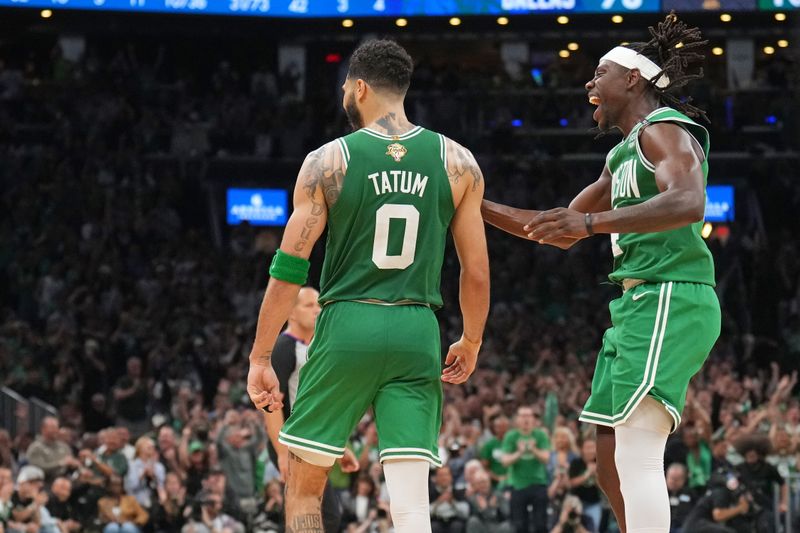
(345, 152)
(443, 151)
(646, 162)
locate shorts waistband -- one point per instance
(373, 301)
(629, 283)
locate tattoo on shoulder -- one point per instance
(323, 168)
(461, 163)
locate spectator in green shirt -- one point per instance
(526, 450)
(110, 461)
(698, 459)
(492, 451)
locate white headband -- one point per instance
(632, 59)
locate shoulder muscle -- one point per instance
(324, 168)
(663, 140)
(463, 171)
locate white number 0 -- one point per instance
(380, 247)
(616, 251)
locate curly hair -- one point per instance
(758, 443)
(384, 64)
(675, 48)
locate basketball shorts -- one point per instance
(366, 355)
(661, 335)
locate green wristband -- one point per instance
(289, 268)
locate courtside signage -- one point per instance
(719, 203)
(257, 207)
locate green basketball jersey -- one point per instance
(675, 255)
(387, 231)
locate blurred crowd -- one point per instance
(124, 309)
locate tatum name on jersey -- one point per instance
(387, 231)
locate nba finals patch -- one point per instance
(396, 151)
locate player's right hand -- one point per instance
(460, 362)
(263, 388)
(349, 462)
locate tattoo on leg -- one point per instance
(305, 523)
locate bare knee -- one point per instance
(305, 480)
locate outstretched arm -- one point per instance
(320, 179)
(595, 197)
(507, 218)
(513, 220)
(681, 200)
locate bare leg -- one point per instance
(304, 487)
(607, 477)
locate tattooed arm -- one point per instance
(466, 181)
(317, 188)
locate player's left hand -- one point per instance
(348, 463)
(549, 227)
(263, 388)
(460, 362)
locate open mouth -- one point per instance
(595, 101)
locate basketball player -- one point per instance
(388, 193)
(289, 355)
(650, 198)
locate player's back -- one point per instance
(388, 228)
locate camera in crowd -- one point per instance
(204, 500)
(731, 481)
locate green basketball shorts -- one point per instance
(661, 335)
(387, 357)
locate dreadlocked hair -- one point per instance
(675, 47)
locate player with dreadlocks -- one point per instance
(650, 198)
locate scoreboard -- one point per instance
(349, 8)
(395, 8)
(775, 5)
(708, 5)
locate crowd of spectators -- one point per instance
(121, 309)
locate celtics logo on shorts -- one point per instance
(396, 151)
